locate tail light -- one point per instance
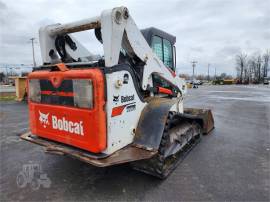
(34, 90)
(83, 93)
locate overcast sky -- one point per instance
(208, 31)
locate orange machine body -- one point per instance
(80, 127)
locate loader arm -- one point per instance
(118, 31)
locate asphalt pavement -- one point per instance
(232, 163)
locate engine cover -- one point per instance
(56, 114)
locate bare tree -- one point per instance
(259, 67)
(253, 66)
(266, 58)
(246, 74)
(185, 76)
(241, 61)
(202, 77)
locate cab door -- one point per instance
(165, 51)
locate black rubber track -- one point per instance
(159, 166)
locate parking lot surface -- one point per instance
(232, 163)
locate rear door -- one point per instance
(68, 107)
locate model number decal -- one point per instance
(131, 108)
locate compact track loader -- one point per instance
(125, 106)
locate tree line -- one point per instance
(204, 77)
(252, 68)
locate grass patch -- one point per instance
(7, 98)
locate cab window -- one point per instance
(157, 46)
(168, 56)
(163, 49)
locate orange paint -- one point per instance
(164, 90)
(116, 111)
(82, 128)
(67, 94)
(62, 67)
(172, 72)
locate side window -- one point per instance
(168, 55)
(163, 49)
(157, 47)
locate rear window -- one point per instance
(71, 92)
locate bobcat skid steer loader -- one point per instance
(123, 107)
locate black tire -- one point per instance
(21, 180)
(35, 185)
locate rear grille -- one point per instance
(71, 92)
(62, 95)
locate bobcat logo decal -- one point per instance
(43, 118)
(116, 98)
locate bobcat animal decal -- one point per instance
(43, 118)
(116, 98)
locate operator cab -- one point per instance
(163, 45)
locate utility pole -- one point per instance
(6, 74)
(33, 50)
(193, 65)
(208, 72)
(215, 73)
